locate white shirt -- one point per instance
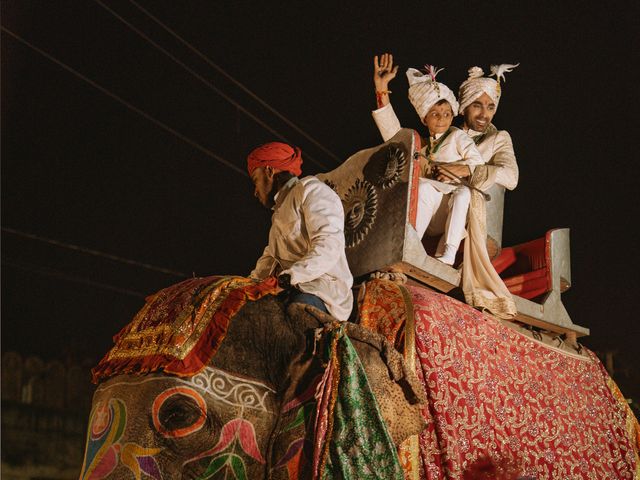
(456, 147)
(306, 241)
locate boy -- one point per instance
(442, 203)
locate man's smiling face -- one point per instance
(478, 115)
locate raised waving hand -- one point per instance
(383, 73)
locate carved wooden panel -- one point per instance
(373, 185)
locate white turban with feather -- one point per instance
(425, 92)
(476, 84)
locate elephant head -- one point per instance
(249, 413)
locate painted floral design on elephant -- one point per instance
(237, 432)
(104, 451)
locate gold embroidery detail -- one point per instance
(146, 337)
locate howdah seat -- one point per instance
(379, 191)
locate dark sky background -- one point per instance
(81, 168)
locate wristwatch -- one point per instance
(284, 281)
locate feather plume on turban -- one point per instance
(276, 155)
(474, 86)
(425, 92)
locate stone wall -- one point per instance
(45, 408)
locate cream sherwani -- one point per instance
(306, 240)
(496, 149)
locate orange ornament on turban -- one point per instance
(276, 155)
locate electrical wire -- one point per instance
(205, 81)
(236, 82)
(95, 253)
(50, 272)
(125, 103)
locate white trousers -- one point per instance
(442, 213)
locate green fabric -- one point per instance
(361, 448)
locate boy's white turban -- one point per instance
(425, 92)
(476, 84)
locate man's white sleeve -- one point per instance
(264, 265)
(386, 121)
(468, 151)
(323, 218)
(504, 161)
(503, 168)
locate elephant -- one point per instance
(250, 412)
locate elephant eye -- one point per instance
(178, 411)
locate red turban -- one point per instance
(276, 155)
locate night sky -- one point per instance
(151, 178)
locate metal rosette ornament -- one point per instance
(361, 208)
(393, 167)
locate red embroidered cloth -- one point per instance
(499, 394)
(180, 328)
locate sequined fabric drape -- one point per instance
(496, 394)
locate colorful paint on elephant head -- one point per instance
(104, 451)
(185, 415)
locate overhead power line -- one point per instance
(120, 100)
(204, 81)
(50, 272)
(236, 82)
(95, 253)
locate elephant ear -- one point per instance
(395, 385)
(392, 382)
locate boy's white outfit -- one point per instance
(442, 207)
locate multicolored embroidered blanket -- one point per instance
(180, 328)
(497, 394)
